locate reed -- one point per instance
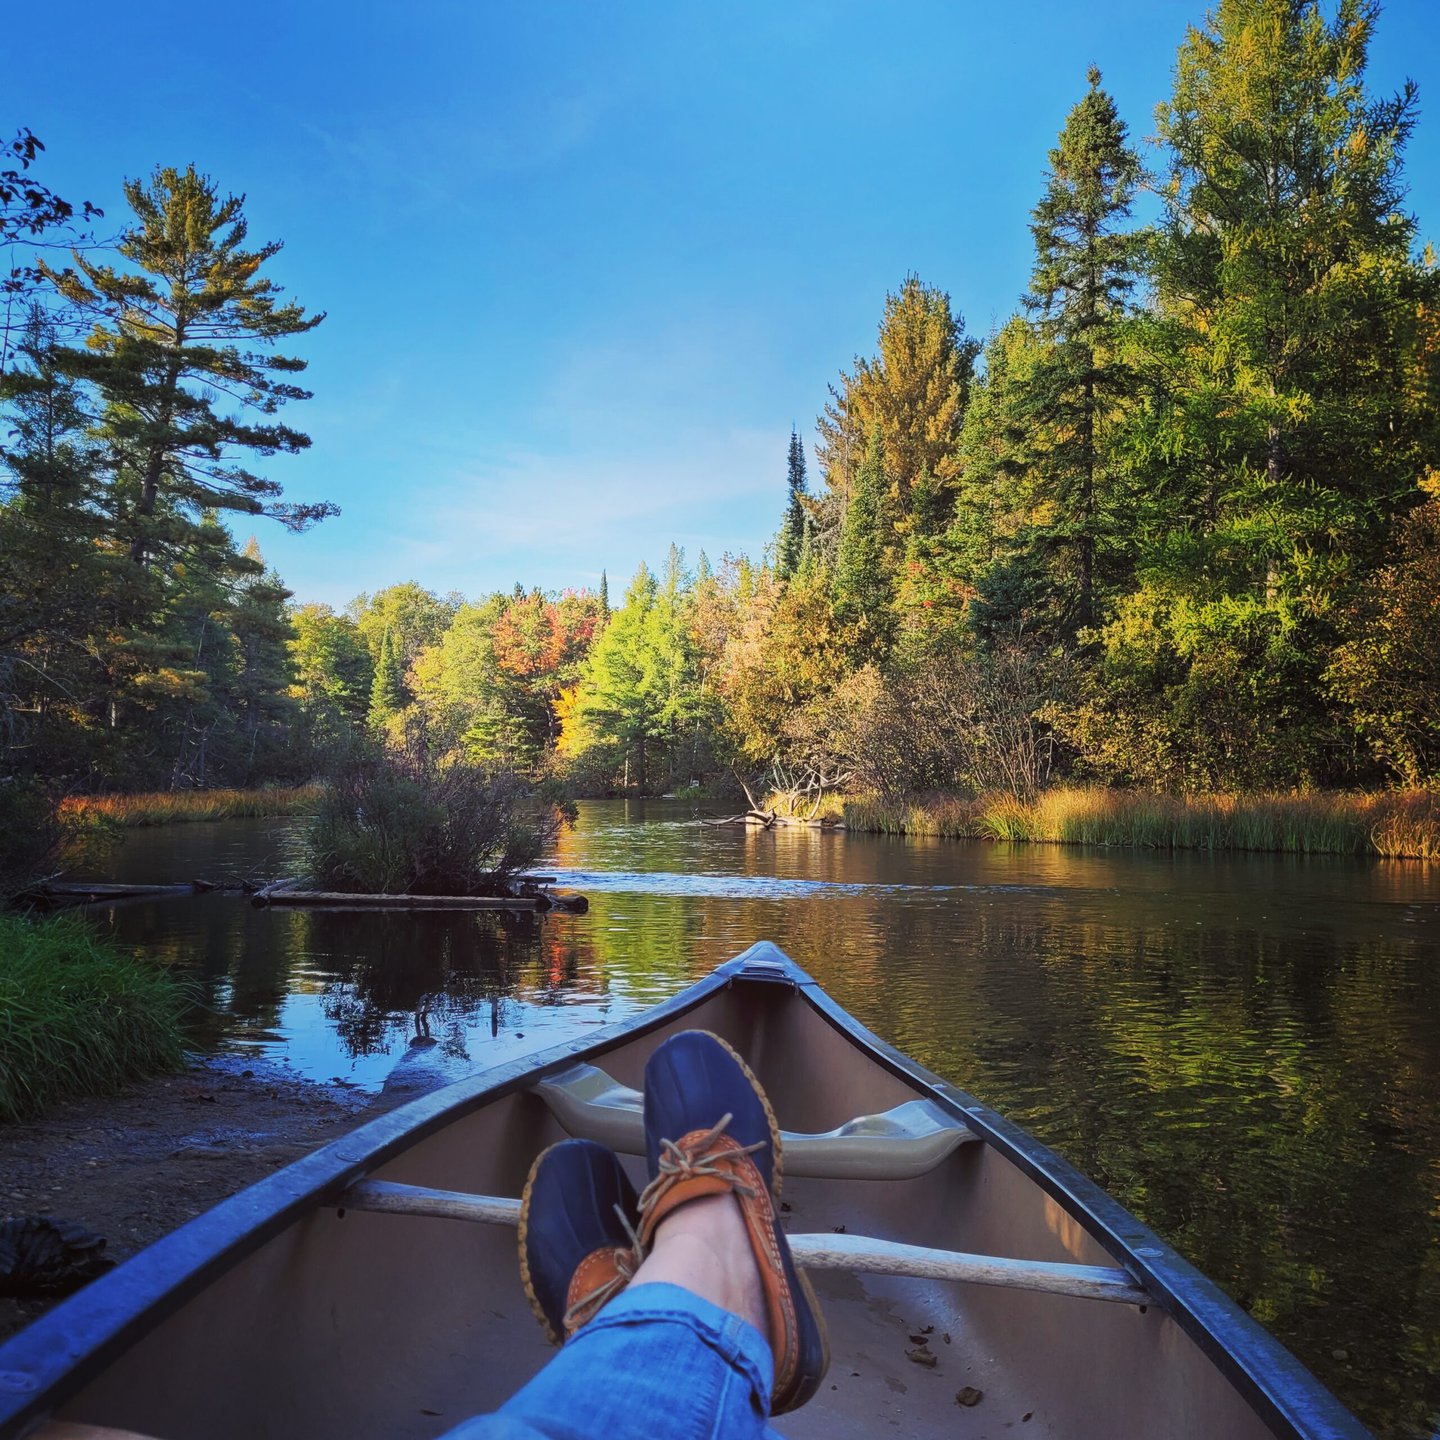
(78, 1016)
(170, 807)
(1393, 823)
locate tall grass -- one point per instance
(1398, 823)
(78, 1017)
(169, 807)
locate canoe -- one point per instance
(371, 1288)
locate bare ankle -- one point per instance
(704, 1247)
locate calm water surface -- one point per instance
(1244, 1050)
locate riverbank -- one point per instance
(82, 1018)
(134, 1166)
(1392, 823)
(170, 807)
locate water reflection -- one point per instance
(1245, 1050)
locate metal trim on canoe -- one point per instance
(62, 1351)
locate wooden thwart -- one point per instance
(814, 1252)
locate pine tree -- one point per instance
(170, 341)
(1085, 269)
(50, 521)
(862, 589)
(616, 707)
(795, 528)
(604, 597)
(262, 705)
(1284, 269)
(387, 691)
(912, 395)
(671, 679)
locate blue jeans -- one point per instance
(657, 1360)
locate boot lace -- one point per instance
(627, 1262)
(705, 1159)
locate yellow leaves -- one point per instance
(575, 735)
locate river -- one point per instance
(1244, 1049)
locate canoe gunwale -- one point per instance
(1278, 1387)
(58, 1354)
(61, 1352)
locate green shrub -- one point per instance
(400, 820)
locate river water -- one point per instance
(1245, 1050)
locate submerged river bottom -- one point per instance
(1245, 1050)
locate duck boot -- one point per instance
(710, 1130)
(578, 1245)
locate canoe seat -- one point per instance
(899, 1144)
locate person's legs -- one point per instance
(686, 1350)
(659, 1360)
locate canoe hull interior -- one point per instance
(338, 1326)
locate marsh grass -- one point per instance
(1398, 823)
(77, 1016)
(175, 806)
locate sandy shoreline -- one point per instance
(134, 1166)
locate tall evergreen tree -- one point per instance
(262, 705)
(912, 395)
(862, 585)
(387, 691)
(795, 528)
(185, 328)
(604, 597)
(615, 709)
(1086, 263)
(1285, 269)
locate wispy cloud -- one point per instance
(436, 157)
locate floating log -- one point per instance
(339, 900)
(82, 892)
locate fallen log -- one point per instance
(339, 900)
(83, 892)
(266, 893)
(570, 904)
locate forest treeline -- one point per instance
(1175, 524)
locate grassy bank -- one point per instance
(169, 807)
(1399, 823)
(77, 1016)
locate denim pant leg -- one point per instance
(657, 1360)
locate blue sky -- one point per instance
(586, 263)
